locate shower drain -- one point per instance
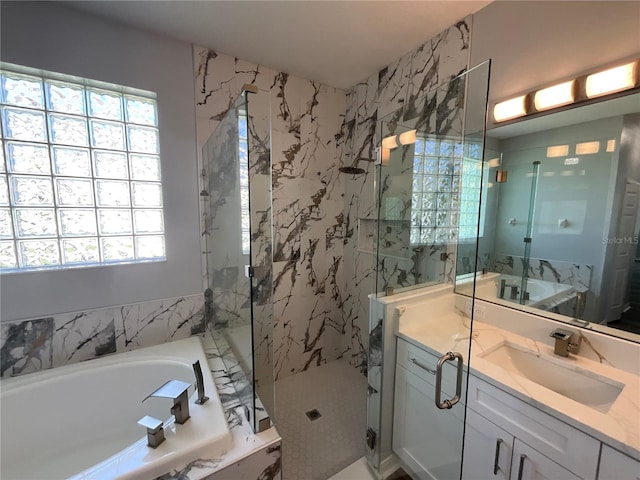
(313, 414)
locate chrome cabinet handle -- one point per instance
(497, 457)
(424, 367)
(449, 356)
(521, 467)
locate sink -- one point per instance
(583, 386)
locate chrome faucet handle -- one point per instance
(197, 370)
(155, 432)
(176, 390)
(564, 345)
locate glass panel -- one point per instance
(110, 164)
(34, 222)
(141, 110)
(148, 221)
(77, 222)
(72, 192)
(116, 248)
(150, 247)
(104, 104)
(80, 250)
(7, 255)
(4, 192)
(28, 158)
(38, 253)
(147, 194)
(107, 135)
(31, 190)
(65, 97)
(112, 194)
(68, 130)
(71, 161)
(24, 125)
(142, 139)
(145, 167)
(114, 222)
(22, 90)
(6, 228)
(418, 250)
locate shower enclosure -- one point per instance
(237, 249)
(428, 188)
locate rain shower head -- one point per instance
(355, 170)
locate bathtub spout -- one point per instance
(197, 370)
(178, 392)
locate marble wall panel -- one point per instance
(32, 345)
(397, 94)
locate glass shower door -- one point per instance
(238, 235)
(428, 188)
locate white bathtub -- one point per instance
(541, 292)
(80, 421)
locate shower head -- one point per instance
(353, 170)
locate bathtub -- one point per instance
(80, 421)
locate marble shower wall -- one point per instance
(401, 88)
(38, 344)
(307, 136)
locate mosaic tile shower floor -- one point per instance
(316, 450)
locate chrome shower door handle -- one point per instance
(449, 356)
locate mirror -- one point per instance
(559, 219)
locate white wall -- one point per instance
(532, 43)
(56, 38)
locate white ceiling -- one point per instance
(338, 43)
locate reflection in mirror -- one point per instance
(559, 236)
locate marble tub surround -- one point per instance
(253, 456)
(443, 331)
(37, 344)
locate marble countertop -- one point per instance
(619, 427)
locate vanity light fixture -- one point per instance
(611, 145)
(407, 138)
(394, 141)
(586, 148)
(612, 80)
(557, 151)
(512, 108)
(577, 90)
(494, 162)
(389, 142)
(556, 96)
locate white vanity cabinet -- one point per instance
(543, 446)
(487, 449)
(427, 439)
(617, 466)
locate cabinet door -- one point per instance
(487, 449)
(617, 466)
(529, 464)
(426, 439)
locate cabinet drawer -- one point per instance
(423, 364)
(571, 448)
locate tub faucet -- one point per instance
(178, 392)
(564, 345)
(503, 286)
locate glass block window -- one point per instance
(447, 177)
(79, 173)
(243, 156)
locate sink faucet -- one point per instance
(564, 344)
